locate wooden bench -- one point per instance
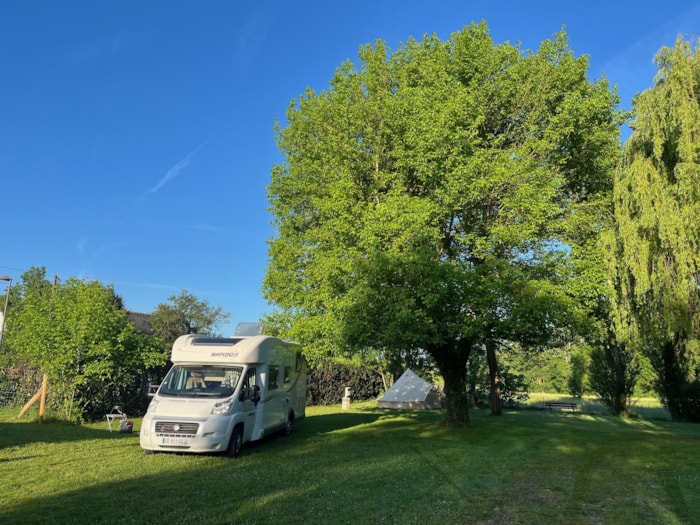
(552, 405)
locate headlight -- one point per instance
(222, 407)
(152, 407)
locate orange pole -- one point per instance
(42, 404)
(30, 403)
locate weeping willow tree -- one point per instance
(657, 255)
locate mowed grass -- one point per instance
(644, 407)
(362, 466)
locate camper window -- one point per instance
(274, 377)
(213, 381)
(287, 375)
(248, 385)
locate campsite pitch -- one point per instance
(364, 465)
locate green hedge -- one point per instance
(326, 384)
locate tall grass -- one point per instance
(364, 465)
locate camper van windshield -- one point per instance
(201, 381)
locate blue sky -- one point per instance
(136, 138)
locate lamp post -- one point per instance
(7, 298)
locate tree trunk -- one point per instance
(456, 403)
(622, 404)
(620, 378)
(495, 376)
(452, 363)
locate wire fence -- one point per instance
(18, 385)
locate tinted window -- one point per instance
(274, 377)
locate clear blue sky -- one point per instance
(136, 137)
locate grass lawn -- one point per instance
(362, 466)
(644, 407)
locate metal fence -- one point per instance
(17, 386)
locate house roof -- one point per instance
(141, 321)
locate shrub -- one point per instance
(613, 373)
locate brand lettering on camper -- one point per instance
(224, 354)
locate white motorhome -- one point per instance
(223, 392)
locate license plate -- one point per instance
(175, 441)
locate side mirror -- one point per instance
(255, 394)
(152, 389)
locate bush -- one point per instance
(326, 384)
(613, 373)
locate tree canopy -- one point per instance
(434, 198)
(185, 314)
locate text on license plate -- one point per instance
(177, 441)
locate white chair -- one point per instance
(115, 413)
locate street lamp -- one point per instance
(7, 298)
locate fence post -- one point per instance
(42, 403)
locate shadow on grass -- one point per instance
(370, 466)
(24, 433)
(345, 425)
(339, 421)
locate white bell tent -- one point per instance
(411, 392)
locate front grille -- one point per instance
(176, 429)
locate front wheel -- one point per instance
(235, 444)
(289, 425)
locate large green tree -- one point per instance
(432, 198)
(77, 332)
(657, 234)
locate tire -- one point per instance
(149, 452)
(289, 425)
(235, 444)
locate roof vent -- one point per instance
(247, 329)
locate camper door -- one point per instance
(250, 402)
(276, 401)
